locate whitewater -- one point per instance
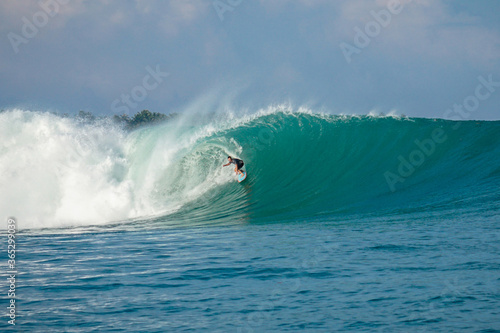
(345, 223)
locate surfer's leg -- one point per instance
(239, 166)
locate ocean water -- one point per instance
(344, 224)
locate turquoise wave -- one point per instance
(301, 166)
(308, 166)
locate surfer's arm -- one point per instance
(226, 164)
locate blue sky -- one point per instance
(421, 59)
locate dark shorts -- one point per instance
(240, 164)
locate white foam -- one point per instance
(57, 172)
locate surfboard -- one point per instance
(242, 177)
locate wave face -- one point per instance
(301, 166)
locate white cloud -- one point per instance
(424, 29)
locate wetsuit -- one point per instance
(239, 163)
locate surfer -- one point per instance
(237, 162)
